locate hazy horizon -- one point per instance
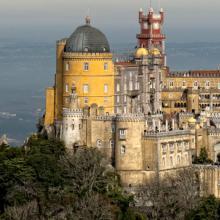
(188, 21)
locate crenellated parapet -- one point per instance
(130, 118)
(92, 56)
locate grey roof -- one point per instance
(87, 39)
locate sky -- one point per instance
(49, 20)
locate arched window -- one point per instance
(111, 144)
(171, 161)
(86, 66)
(98, 143)
(164, 162)
(123, 149)
(178, 159)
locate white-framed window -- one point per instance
(171, 84)
(118, 110)
(130, 85)
(118, 87)
(195, 84)
(117, 98)
(105, 88)
(85, 88)
(125, 98)
(86, 100)
(66, 87)
(207, 84)
(123, 149)
(105, 66)
(98, 143)
(122, 133)
(86, 66)
(67, 67)
(137, 86)
(184, 84)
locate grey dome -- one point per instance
(87, 39)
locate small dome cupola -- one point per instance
(87, 39)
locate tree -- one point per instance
(208, 209)
(172, 196)
(203, 157)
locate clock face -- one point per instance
(156, 26)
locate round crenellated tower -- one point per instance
(128, 148)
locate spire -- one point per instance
(88, 20)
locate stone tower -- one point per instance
(72, 123)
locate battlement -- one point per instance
(72, 112)
(68, 55)
(154, 134)
(130, 117)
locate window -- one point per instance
(125, 110)
(80, 126)
(164, 161)
(85, 88)
(184, 84)
(67, 88)
(106, 88)
(122, 134)
(123, 149)
(207, 84)
(125, 99)
(111, 144)
(66, 100)
(86, 100)
(73, 126)
(105, 66)
(105, 99)
(130, 85)
(118, 98)
(171, 161)
(218, 85)
(125, 86)
(171, 83)
(171, 147)
(86, 66)
(67, 67)
(195, 84)
(98, 143)
(118, 87)
(178, 159)
(164, 148)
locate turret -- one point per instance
(72, 123)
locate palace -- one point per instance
(145, 118)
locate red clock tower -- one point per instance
(151, 35)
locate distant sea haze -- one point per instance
(27, 68)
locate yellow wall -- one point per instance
(49, 116)
(96, 77)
